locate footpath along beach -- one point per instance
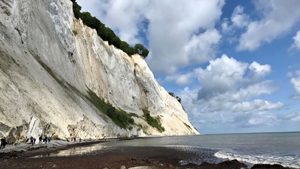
(40, 156)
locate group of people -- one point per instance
(41, 139)
(3, 143)
(45, 139)
(32, 141)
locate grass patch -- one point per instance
(119, 117)
(139, 126)
(153, 121)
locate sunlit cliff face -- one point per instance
(51, 65)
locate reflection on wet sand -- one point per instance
(78, 151)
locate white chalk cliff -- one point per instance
(50, 63)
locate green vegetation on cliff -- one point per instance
(107, 34)
(119, 117)
(176, 97)
(154, 122)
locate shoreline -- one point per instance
(156, 157)
(26, 149)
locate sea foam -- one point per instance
(286, 161)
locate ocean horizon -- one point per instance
(262, 132)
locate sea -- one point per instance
(254, 148)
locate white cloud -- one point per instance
(180, 79)
(296, 97)
(188, 98)
(256, 72)
(175, 43)
(278, 17)
(173, 32)
(238, 18)
(291, 116)
(225, 78)
(257, 104)
(262, 118)
(201, 47)
(220, 76)
(238, 21)
(296, 44)
(209, 101)
(254, 90)
(225, 25)
(221, 96)
(296, 84)
(259, 70)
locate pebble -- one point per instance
(122, 167)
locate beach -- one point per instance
(126, 156)
(58, 156)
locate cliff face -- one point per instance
(56, 74)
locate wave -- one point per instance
(286, 161)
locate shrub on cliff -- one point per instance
(76, 9)
(176, 97)
(140, 49)
(91, 21)
(106, 33)
(119, 117)
(154, 122)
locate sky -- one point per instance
(235, 64)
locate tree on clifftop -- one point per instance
(76, 9)
(176, 97)
(106, 33)
(140, 49)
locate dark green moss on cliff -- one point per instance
(153, 121)
(119, 117)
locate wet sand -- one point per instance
(127, 156)
(156, 157)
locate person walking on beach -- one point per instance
(26, 140)
(49, 139)
(31, 140)
(3, 143)
(74, 139)
(45, 139)
(40, 139)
